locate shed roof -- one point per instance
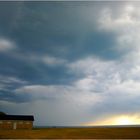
(17, 117)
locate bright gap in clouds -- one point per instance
(118, 120)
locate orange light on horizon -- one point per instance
(119, 120)
(124, 121)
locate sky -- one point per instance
(71, 63)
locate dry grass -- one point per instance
(73, 133)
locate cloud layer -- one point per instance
(70, 63)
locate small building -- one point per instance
(16, 121)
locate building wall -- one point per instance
(15, 124)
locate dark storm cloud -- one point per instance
(56, 28)
(63, 29)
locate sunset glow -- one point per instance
(119, 120)
(125, 121)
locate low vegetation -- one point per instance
(73, 133)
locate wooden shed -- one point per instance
(16, 121)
